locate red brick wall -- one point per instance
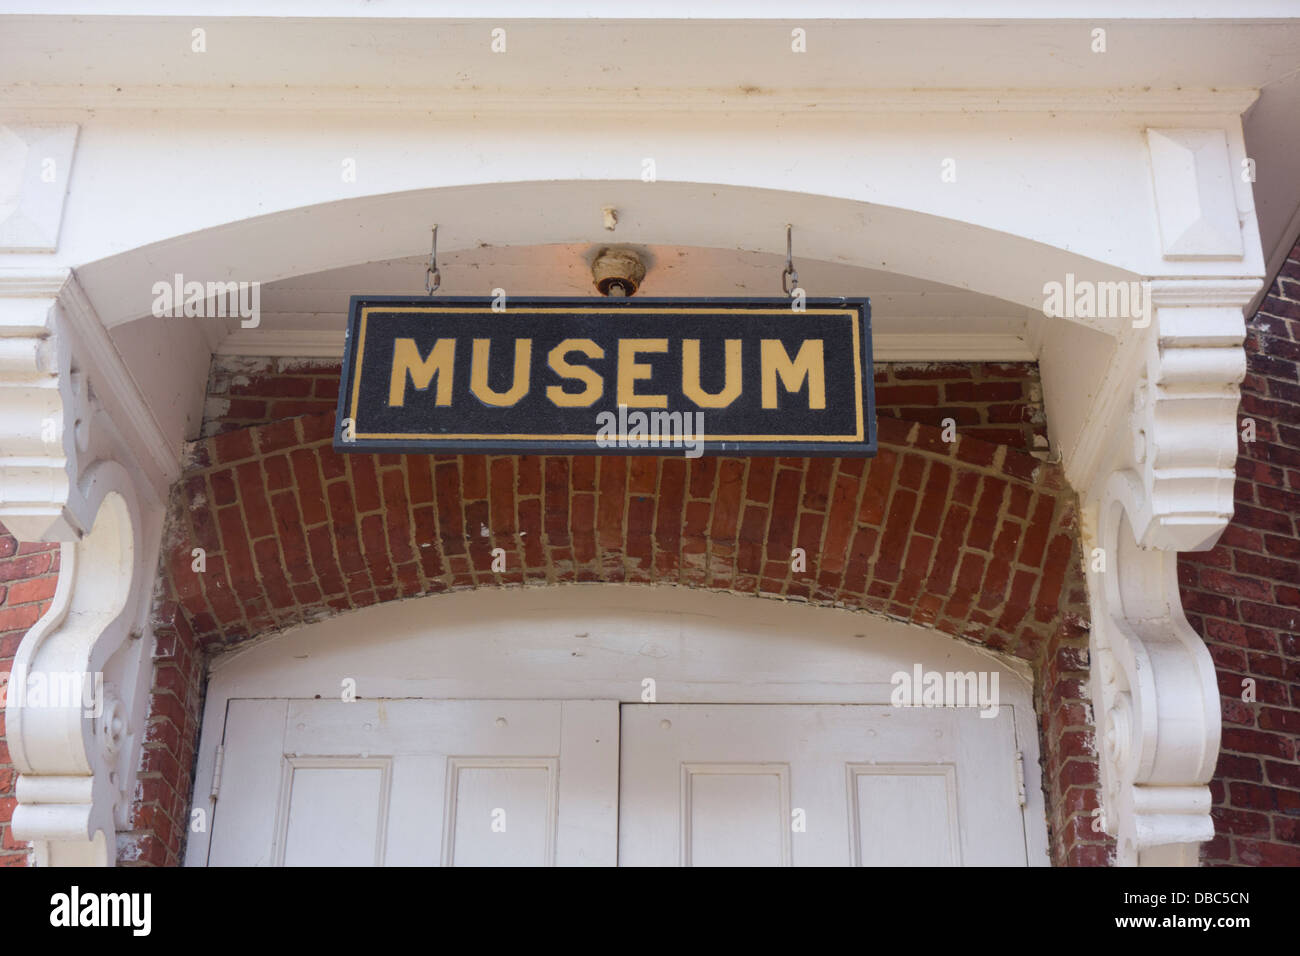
(970, 538)
(28, 574)
(1244, 598)
(998, 402)
(1071, 776)
(160, 805)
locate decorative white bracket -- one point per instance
(78, 465)
(1195, 206)
(67, 726)
(1168, 488)
(35, 168)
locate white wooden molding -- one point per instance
(35, 167)
(460, 101)
(952, 347)
(1167, 486)
(47, 418)
(68, 401)
(114, 385)
(1138, 351)
(74, 762)
(1195, 204)
(1154, 695)
(1184, 423)
(82, 462)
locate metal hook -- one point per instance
(789, 277)
(432, 277)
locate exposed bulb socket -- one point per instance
(618, 272)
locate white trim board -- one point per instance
(84, 101)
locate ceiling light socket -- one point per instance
(618, 272)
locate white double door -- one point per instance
(581, 782)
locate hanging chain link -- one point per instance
(432, 277)
(789, 277)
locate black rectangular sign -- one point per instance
(607, 376)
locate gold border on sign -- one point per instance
(850, 314)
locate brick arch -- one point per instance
(970, 538)
(974, 539)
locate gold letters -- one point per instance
(406, 359)
(478, 373)
(630, 370)
(777, 371)
(731, 384)
(595, 384)
(808, 364)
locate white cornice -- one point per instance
(473, 102)
(1203, 292)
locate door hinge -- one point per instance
(1020, 777)
(216, 770)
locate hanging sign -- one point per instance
(607, 376)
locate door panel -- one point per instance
(733, 814)
(418, 782)
(817, 785)
(903, 814)
(336, 813)
(517, 795)
(243, 822)
(537, 783)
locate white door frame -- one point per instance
(603, 642)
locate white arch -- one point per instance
(831, 228)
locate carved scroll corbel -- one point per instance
(1154, 694)
(1168, 488)
(66, 726)
(66, 475)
